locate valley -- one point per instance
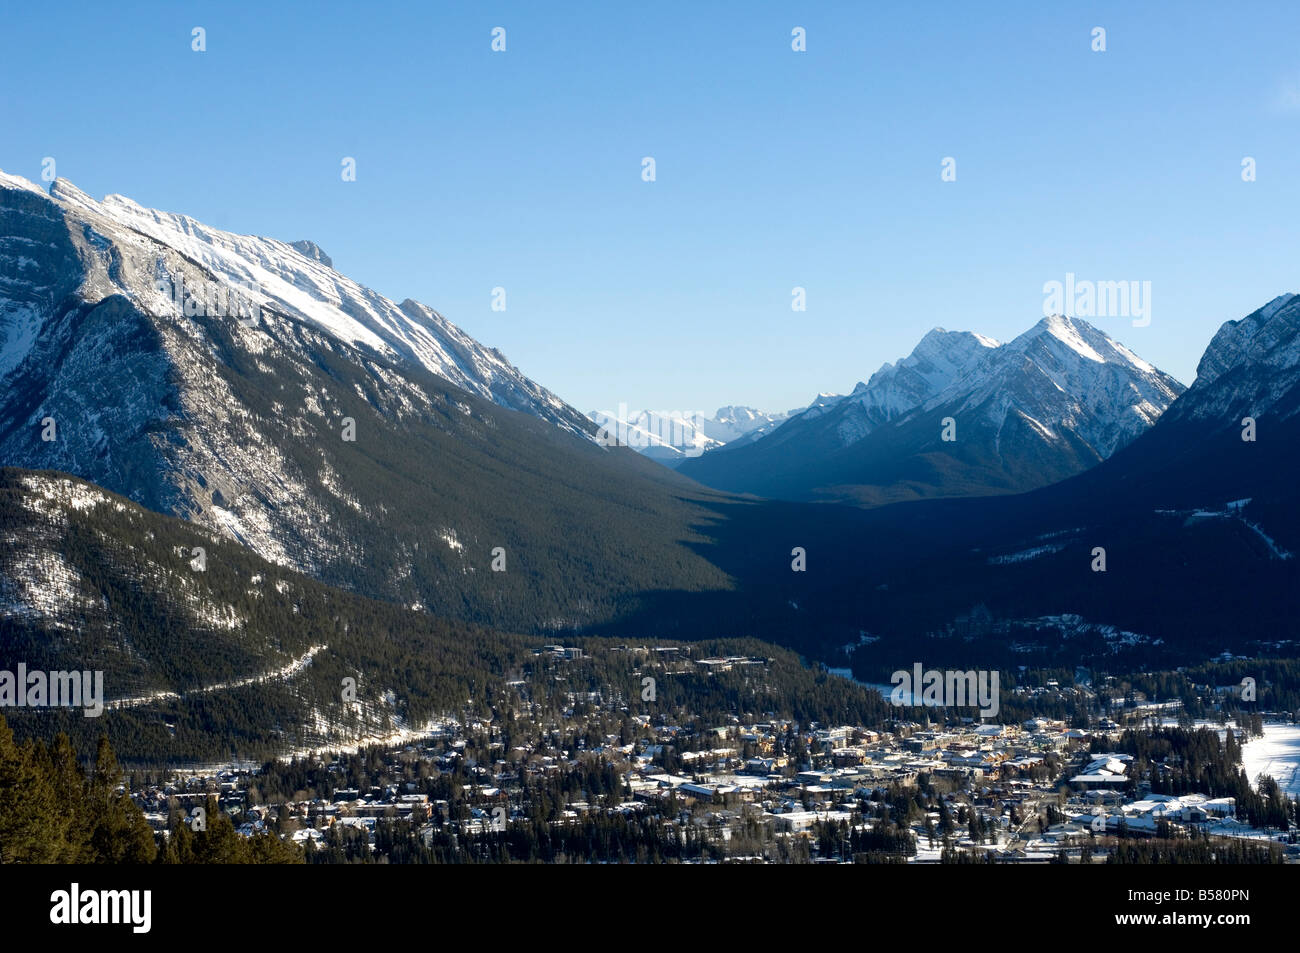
(344, 539)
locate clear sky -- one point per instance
(774, 168)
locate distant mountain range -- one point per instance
(960, 416)
(671, 437)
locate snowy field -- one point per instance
(1277, 754)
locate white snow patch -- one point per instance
(1277, 754)
(1026, 555)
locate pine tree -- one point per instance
(119, 833)
(29, 826)
(69, 784)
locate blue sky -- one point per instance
(774, 169)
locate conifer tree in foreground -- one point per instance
(52, 812)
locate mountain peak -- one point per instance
(742, 417)
(1048, 404)
(64, 191)
(17, 182)
(941, 336)
(1063, 328)
(313, 251)
(1276, 305)
(938, 358)
(1074, 333)
(1081, 339)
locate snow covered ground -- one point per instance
(1276, 754)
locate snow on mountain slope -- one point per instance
(775, 421)
(1056, 400)
(1064, 375)
(938, 360)
(671, 437)
(298, 280)
(659, 435)
(1249, 366)
(896, 388)
(732, 421)
(242, 656)
(819, 405)
(1060, 372)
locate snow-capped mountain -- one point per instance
(731, 422)
(1050, 403)
(671, 437)
(936, 362)
(1200, 527)
(666, 437)
(242, 384)
(1063, 376)
(776, 421)
(295, 279)
(1200, 512)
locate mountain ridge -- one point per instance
(1057, 398)
(298, 279)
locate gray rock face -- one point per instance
(1249, 367)
(313, 251)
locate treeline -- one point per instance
(617, 838)
(1277, 685)
(838, 839)
(784, 687)
(52, 811)
(1198, 851)
(1177, 761)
